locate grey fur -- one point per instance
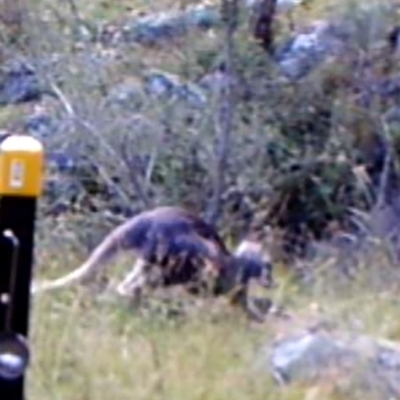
(166, 236)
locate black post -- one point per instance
(21, 163)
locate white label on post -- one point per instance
(17, 174)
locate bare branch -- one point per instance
(226, 112)
(384, 177)
(131, 166)
(150, 166)
(89, 128)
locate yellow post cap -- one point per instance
(21, 166)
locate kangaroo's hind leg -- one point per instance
(135, 282)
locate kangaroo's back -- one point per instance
(174, 221)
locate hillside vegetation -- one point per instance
(128, 125)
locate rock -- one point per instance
(41, 125)
(157, 28)
(308, 49)
(305, 356)
(128, 95)
(364, 27)
(19, 83)
(60, 161)
(202, 16)
(369, 365)
(159, 85)
(164, 85)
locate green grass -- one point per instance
(94, 347)
(85, 350)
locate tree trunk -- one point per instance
(226, 110)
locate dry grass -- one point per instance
(91, 348)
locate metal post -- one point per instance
(21, 171)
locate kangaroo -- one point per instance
(185, 250)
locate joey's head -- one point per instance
(253, 263)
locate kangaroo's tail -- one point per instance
(97, 261)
